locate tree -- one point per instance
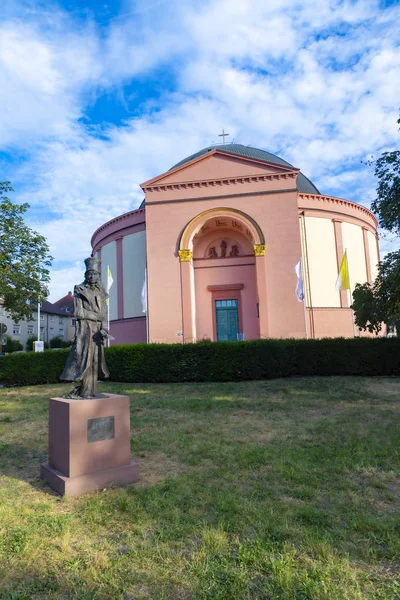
(24, 259)
(12, 345)
(58, 342)
(380, 301)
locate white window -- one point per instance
(61, 333)
(16, 329)
(73, 321)
(51, 330)
(51, 319)
(61, 322)
(30, 329)
(41, 329)
(42, 317)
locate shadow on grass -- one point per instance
(21, 462)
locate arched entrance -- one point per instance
(222, 254)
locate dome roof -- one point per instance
(304, 185)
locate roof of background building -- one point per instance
(48, 307)
(66, 303)
(304, 185)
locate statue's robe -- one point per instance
(86, 362)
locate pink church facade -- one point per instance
(219, 235)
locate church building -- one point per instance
(212, 250)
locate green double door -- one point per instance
(227, 320)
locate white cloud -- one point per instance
(316, 82)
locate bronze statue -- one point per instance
(86, 363)
(212, 253)
(224, 246)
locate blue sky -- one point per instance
(97, 97)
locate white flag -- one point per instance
(144, 293)
(300, 283)
(110, 280)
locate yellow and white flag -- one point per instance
(343, 279)
(110, 280)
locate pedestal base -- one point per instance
(74, 486)
(89, 444)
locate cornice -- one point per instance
(160, 187)
(338, 202)
(119, 219)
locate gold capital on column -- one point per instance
(259, 249)
(185, 255)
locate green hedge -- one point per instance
(225, 361)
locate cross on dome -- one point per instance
(223, 135)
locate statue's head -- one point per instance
(92, 274)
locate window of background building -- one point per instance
(61, 322)
(51, 330)
(42, 317)
(51, 319)
(61, 332)
(73, 321)
(16, 329)
(30, 329)
(41, 329)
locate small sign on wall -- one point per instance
(240, 337)
(38, 346)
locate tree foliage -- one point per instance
(58, 342)
(24, 259)
(380, 301)
(377, 302)
(387, 203)
(12, 345)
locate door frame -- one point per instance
(231, 291)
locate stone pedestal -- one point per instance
(89, 445)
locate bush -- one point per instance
(29, 343)
(58, 342)
(220, 361)
(12, 345)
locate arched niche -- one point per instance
(219, 219)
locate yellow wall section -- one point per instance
(322, 262)
(134, 262)
(109, 259)
(354, 242)
(373, 254)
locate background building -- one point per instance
(221, 233)
(53, 322)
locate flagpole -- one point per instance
(110, 281)
(146, 281)
(108, 321)
(305, 316)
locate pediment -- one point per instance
(218, 165)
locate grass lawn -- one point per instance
(284, 489)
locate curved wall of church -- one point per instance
(328, 227)
(120, 244)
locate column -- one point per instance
(259, 252)
(187, 295)
(366, 253)
(120, 278)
